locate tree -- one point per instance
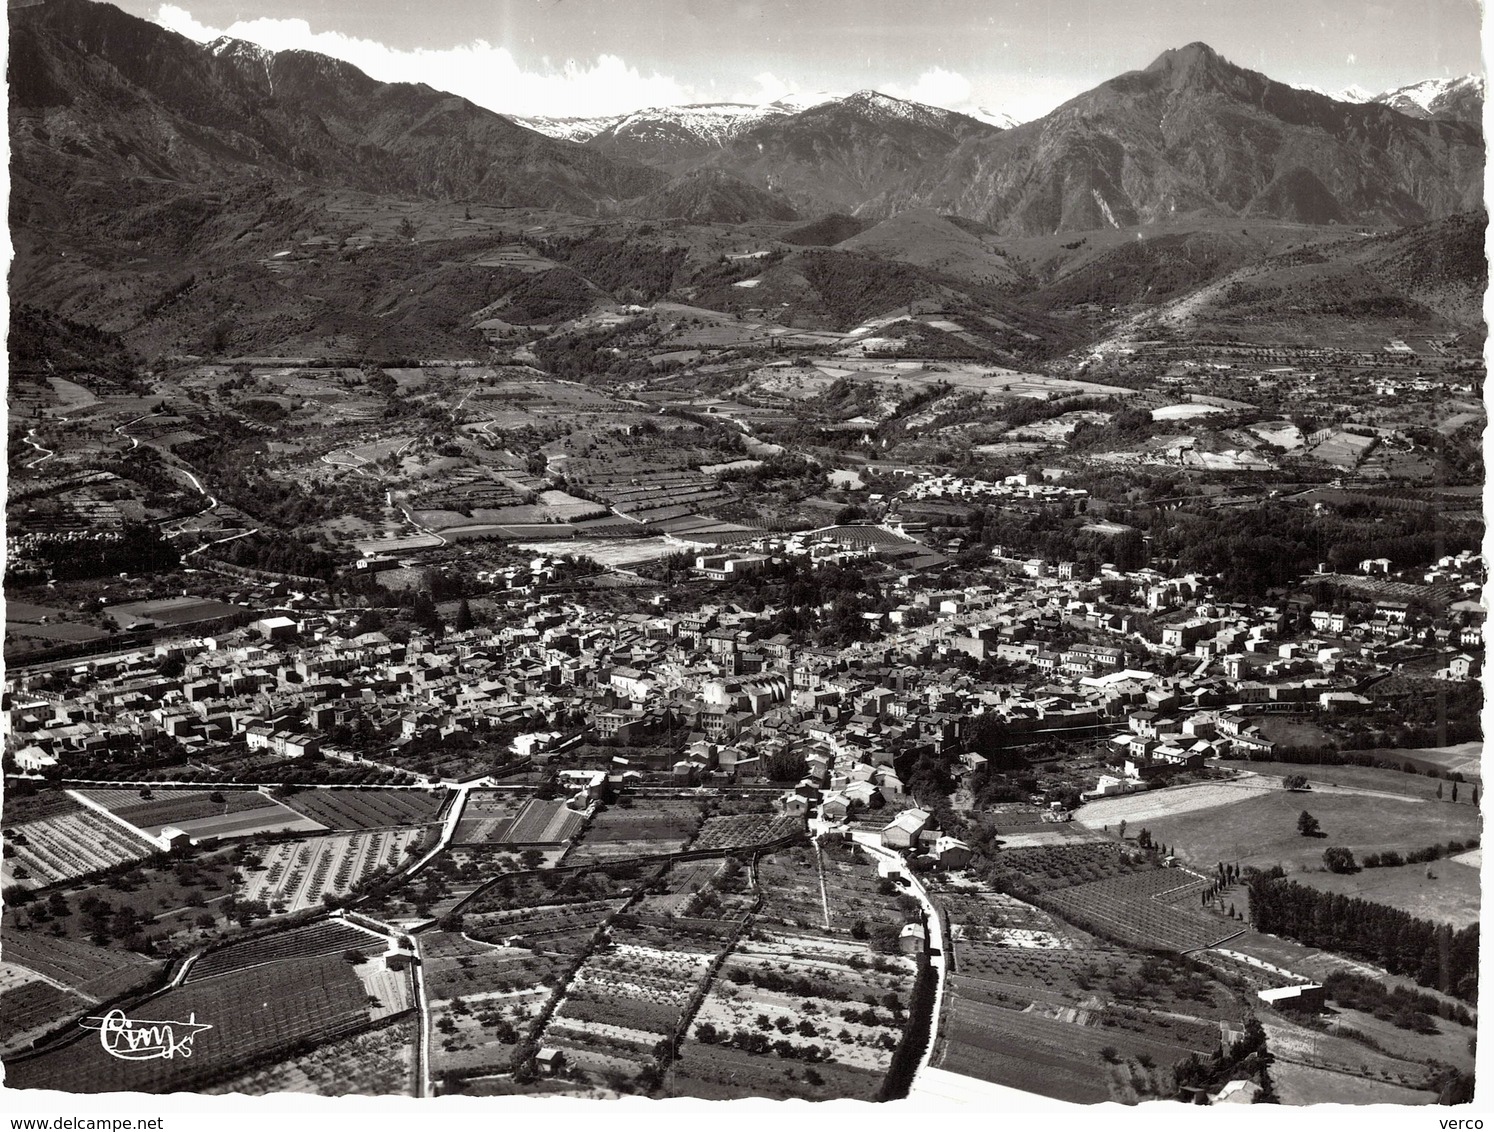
(1295, 782)
(463, 617)
(1307, 825)
(1340, 860)
(1454, 791)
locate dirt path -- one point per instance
(819, 864)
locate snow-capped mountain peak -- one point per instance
(997, 118)
(1352, 93)
(798, 103)
(568, 129)
(1433, 98)
(227, 45)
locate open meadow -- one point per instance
(1262, 830)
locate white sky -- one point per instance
(1020, 57)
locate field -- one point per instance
(1450, 895)
(719, 1073)
(173, 611)
(1048, 1057)
(646, 827)
(1148, 805)
(730, 831)
(253, 1013)
(1365, 778)
(174, 901)
(566, 928)
(1465, 758)
(193, 810)
(379, 1062)
(784, 992)
(297, 874)
(1262, 831)
(30, 1006)
(94, 972)
(1314, 965)
(1048, 867)
(792, 893)
(68, 846)
(487, 812)
(367, 809)
(979, 914)
(23, 808)
(325, 937)
(854, 892)
(1155, 908)
(613, 553)
(1298, 1084)
(484, 1000)
(493, 818)
(622, 1002)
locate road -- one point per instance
(46, 453)
(423, 1036)
(871, 843)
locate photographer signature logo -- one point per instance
(145, 1040)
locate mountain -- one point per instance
(1352, 93)
(842, 154)
(98, 96)
(1458, 100)
(708, 196)
(667, 135)
(997, 118)
(925, 239)
(1193, 134)
(567, 129)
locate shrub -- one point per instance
(1339, 860)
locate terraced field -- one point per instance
(1153, 909)
(648, 827)
(252, 1013)
(299, 873)
(192, 807)
(326, 937)
(730, 831)
(69, 846)
(368, 809)
(621, 1003)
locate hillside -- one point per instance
(843, 154)
(707, 196)
(1195, 134)
(925, 239)
(97, 95)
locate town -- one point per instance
(808, 597)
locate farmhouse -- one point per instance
(1307, 996)
(902, 832)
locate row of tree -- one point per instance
(1435, 955)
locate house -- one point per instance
(912, 939)
(1463, 667)
(1306, 996)
(836, 807)
(549, 1060)
(1237, 1092)
(902, 832)
(276, 628)
(398, 957)
(951, 853)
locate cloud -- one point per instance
(487, 75)
(936, 87)
(770, 88)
